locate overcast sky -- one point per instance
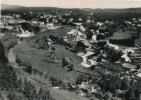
(76, 3)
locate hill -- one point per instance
(20, 9)
(5, 6)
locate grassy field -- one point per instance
(66, 95)
(122, 35)
(35, 57)
(29, 54)
(138, 41)
(59, 32)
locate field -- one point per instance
(122, 35)
(138, 41)
(59, 32)
(65, 95)
(35, 57)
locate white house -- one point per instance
(94, 37)
(99, 23)
(49, 26)
(113, 46)
(65, 38)
(126, 58)
(126, 51)
(25, 34)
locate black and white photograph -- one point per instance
(70, 50)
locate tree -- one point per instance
(19, 85)
(27, 26)
(99, 59)
(28, 68)
(53, 49)
(29, 90)
(44, 94)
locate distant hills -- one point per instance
(5, 6)
(15, 8)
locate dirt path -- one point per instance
(4, 96)
(12, 58)
(137, 46)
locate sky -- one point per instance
(76, 3)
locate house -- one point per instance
(128, 66)
(79, 38)
(33, 22)
(128, 51)
(125, 58)
(70, 20)
(78, 24)
(113, 46)
(80, 19)
(139, 25)
(94, 35)
(86, 43)
(6, 17)
(139, 74)
(79, 33)
(134, 19)
(128, 22)
(97, 31)
(49, 41)
(73, 32)
(16, 16)
(99, 23)
(139, 19)
(93, 90)
(88, 20)
(84, 85)
(65, 38)
(1, 35)
(67, 62)
(43, 29)
(80, 27)
(49, 26)
(25, 34)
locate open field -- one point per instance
(66, 95)
(59, 32)
(35, 56)
(138, 41)
(122, 35)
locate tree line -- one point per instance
(127, 42)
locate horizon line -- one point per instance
(69, 7)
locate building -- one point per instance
(25, 34)
(65, 38)
(113, 46)
(49, 26)
(125, 58)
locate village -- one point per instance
(102, 47)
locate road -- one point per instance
(137, 46)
